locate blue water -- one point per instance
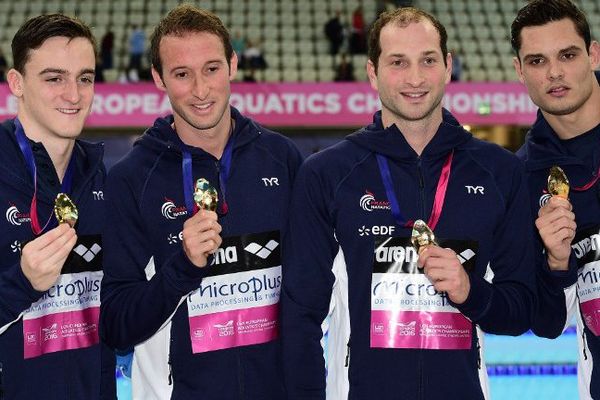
(552, 363)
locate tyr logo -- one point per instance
(475, 189)
(98, 194)
(274, 181)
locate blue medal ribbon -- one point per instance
(188, 178)
(440, 193)
(65, 186)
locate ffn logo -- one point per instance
(475, 189)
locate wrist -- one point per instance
(558, 264)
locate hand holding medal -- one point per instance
(441, 266)
(556, 221)
(201, 232)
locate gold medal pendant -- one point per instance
(558, 184)
(65, 210)
(421, 236)
(205, 196)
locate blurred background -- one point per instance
(302, 72)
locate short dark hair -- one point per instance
(403, 17)
(541, 12)
(185, 19)
(35, 31)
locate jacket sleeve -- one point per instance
(309, 250)
(504, 305)
(554, 306)
(138, 297)
(17, 295)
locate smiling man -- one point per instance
(197, 291)
(49, 342)
(397, 331)
(555, 59)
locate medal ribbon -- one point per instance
(188, 178)
(65, 186)
(440, 192)
(589, 184)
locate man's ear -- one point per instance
(15, 82)
(158, 80)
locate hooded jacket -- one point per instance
(330, 248)
(148, 276)
(558, 296)
(63, 374)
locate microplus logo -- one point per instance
(262, 251)
(253, 286)
(77, 288)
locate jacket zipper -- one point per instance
(421, 186)
(421, 387)
(240, 374)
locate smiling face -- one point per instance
(411, 75)
(555, 66)
(56, 89)
(197, 79)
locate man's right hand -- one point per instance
(556, 225)
(201, 237)
(43, 258)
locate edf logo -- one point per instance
(474, 189)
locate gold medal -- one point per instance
(421, 235)
(65, 210)
(558, 184)
(205, 196)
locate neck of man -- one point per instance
(580, 121)
(212, 140)
(59, 149)
(417, 133)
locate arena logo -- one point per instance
(369, 203)
(170, 211)
(15, 217)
